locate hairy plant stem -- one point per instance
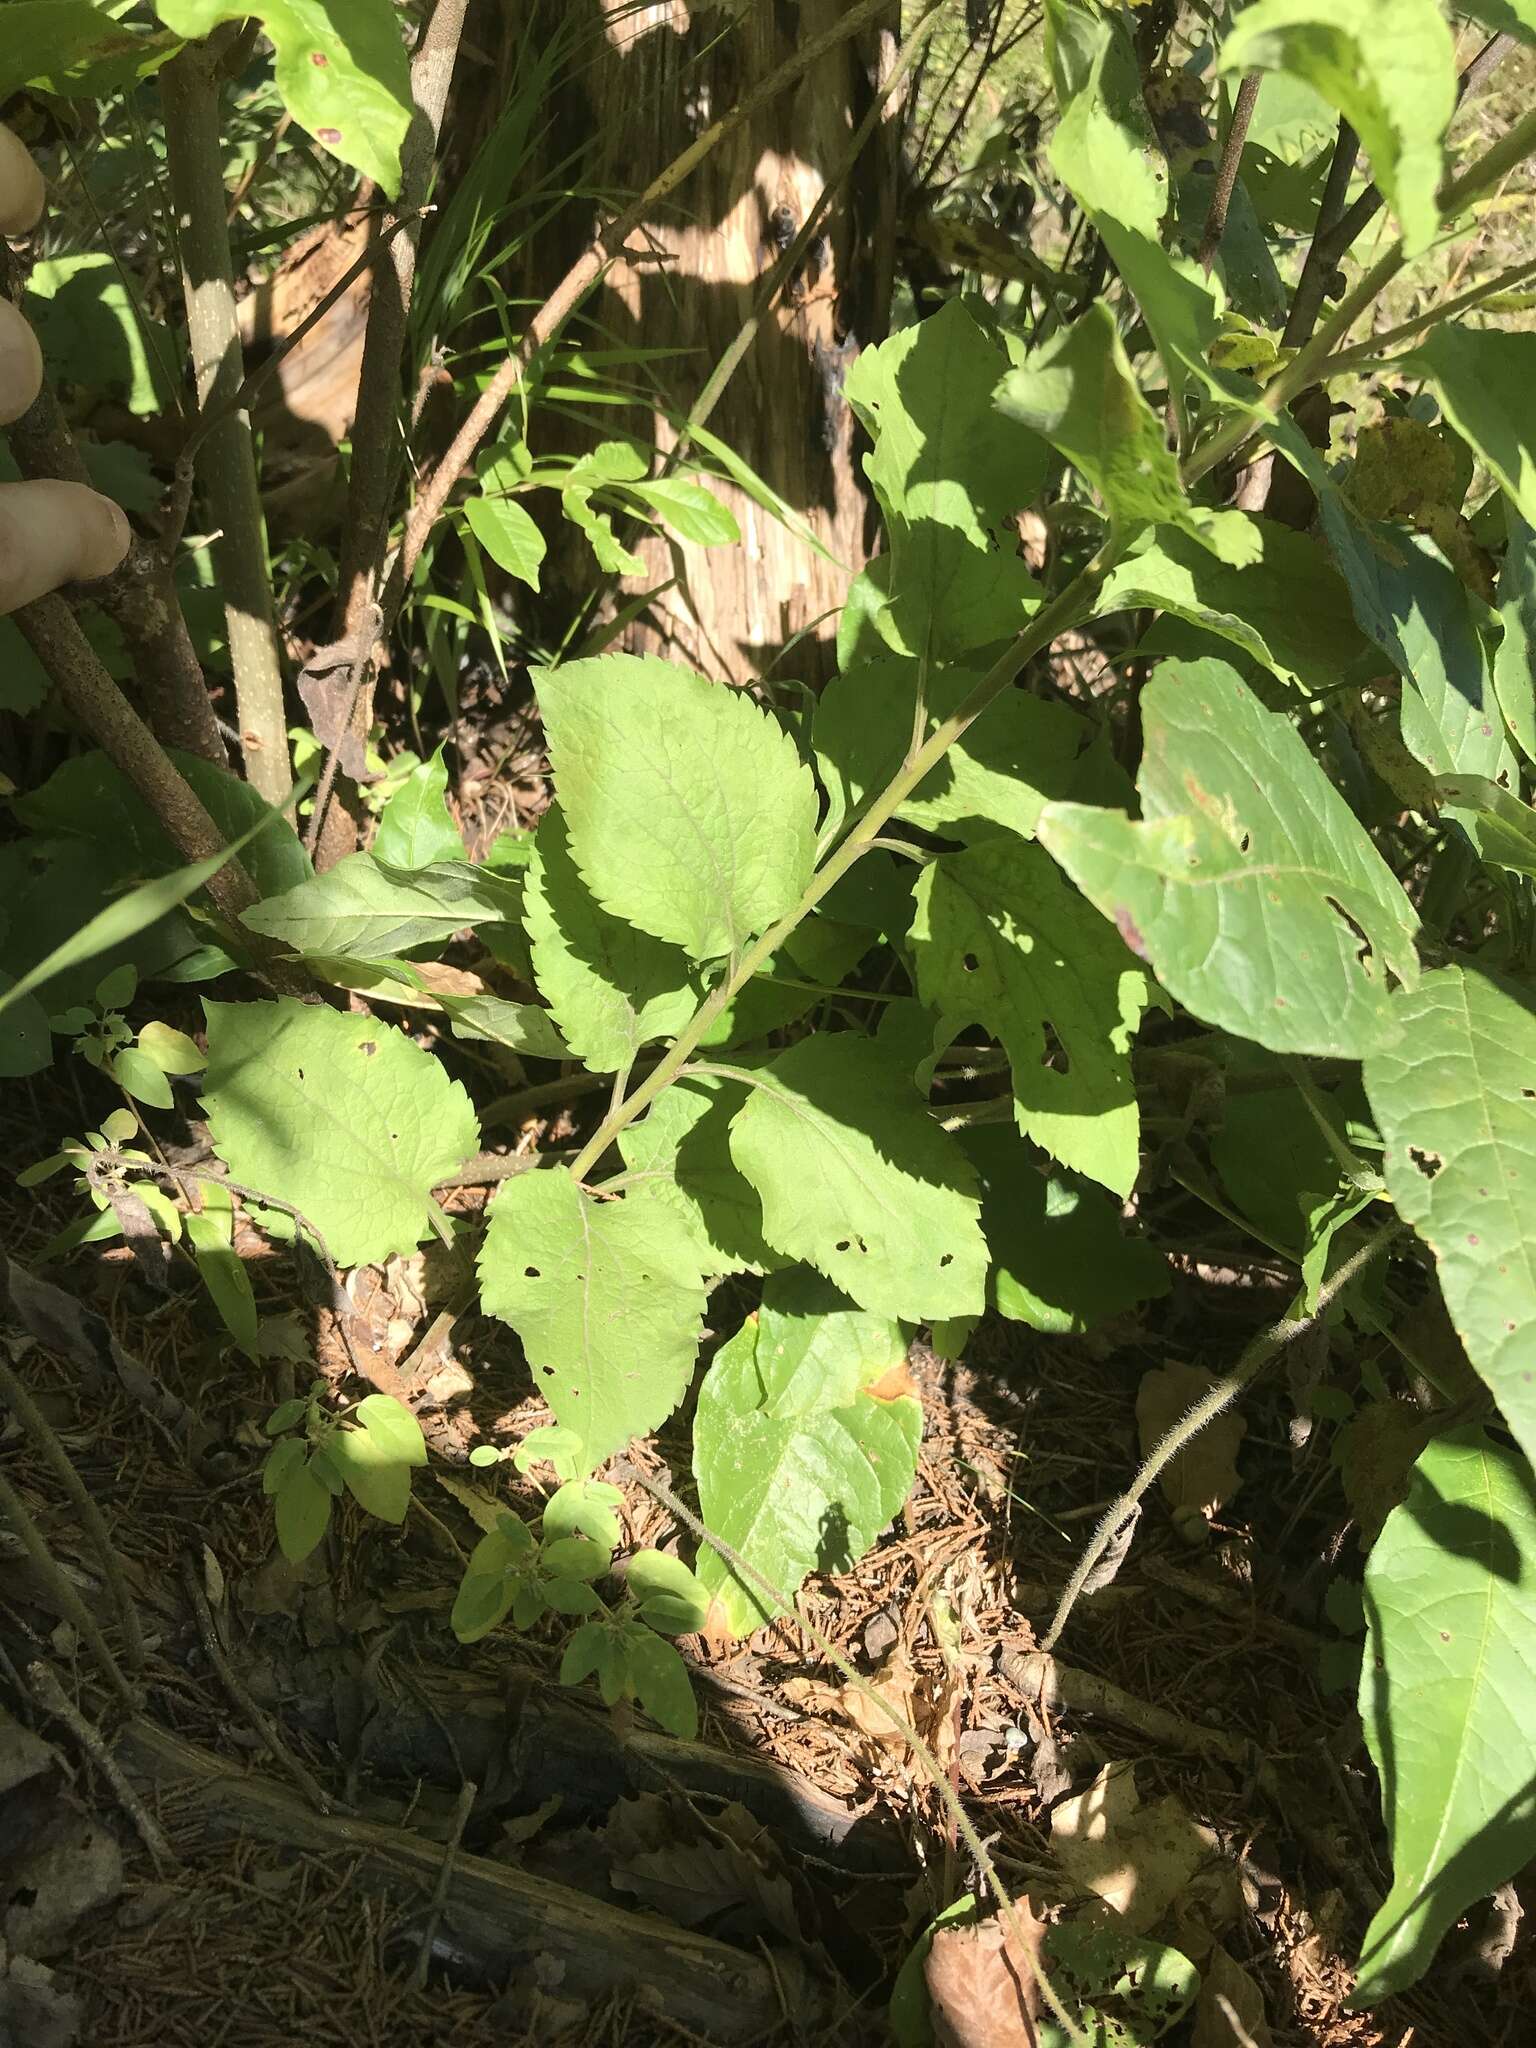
(63, 1592)
(1268, 1344)
(1068, 608)
(1226, 171)
(933, 1770)
(190, 87)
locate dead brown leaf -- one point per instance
(1139, 1859)
(1204, 1475)
(982, 1982)
(1230, 2010)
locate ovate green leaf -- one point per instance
(362, 910)
(341, 69)
(415, 830)
(1388, 66)
(1483, 377)
(607, 1299)
(679, 1154)
(610, 988)
(521, 1027)
(858, 1180)
(1446, 1694)
(689, 812)
(799, 1467)
(303, 1510)
(1248, 884)
(1000, 940)
(341, 1116)
(1104, 148)
(509, 535)
(228, 1283)
(1455, 1098)
(1289, 609)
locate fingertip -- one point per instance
(22, 191)
(21, 364)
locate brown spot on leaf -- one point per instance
(1126, 926)
(894, 1384)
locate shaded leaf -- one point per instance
(1483, 377)
(415, 829)
(363, 910)
(679, 1154)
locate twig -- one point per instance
(584, 274)
(1226, 170)
(468, 1793)
(190, 91)
(240, 1693)
(1265, 1346)
(41, 1431)
(487, 1168)
(43, 1683)
(65, 1597)
(1046, 1680)
(938, 1778)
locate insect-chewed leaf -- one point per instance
(799, 1465)
(857, 1179)
(362, 910)
(1248, 883)
(341, 1116)
(341, 69)
(607, 1298)
(1445, 1695)
(1000, 940)
(690, 814)
(610, 988)
(1455, 1099)
(1389, 66)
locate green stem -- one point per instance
(1068, 608)
(1432, 316)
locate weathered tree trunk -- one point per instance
(646, 80)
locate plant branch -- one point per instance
(139, 596)
(1068, 608)
(584, 274)
(1266, 1345)
(1226, 170)
(1433, 316)
(190, 91)
(932, 1768)
(63, 1592)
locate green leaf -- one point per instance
(341, 1116)
(799, 1467)
(820, 951)
(362, 910)
(1248, 884)
(583, 1507)
(1080, 393)
(858, 1180)
(377, 1476)
(341, 70)
(667, 1593)
(607, 1299)
(171, 1050)
(610, 988)
(1456, 1104)
(692, 512)
(1388, 66)
(482, 1603)
(90, 798)
(679, 1155)
(1000, 940)
(947, 473)
(1514, 664)
(1445, 1696)
(1061, 1258)
(509, 534)
(1513, 17)
(649, 756)
(116, 990)
(415, 829)
(997, 777)
(228, 1283)
(280, 1461)
(50, 42)
(303, 1512)
(661, 1683)
(1417, 611)
(611, 556)
(1482, 377)
(141, 1078)
(1499, 825)
(1104, 150)
(93, 330)
(1289, 609)
(522, 1028)
(393, 1428)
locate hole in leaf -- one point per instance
(298, 1073)
(1529, 1094)
(970, 963)
(1363, 944)
(24, 1895)
(530, 1272)
(947, 1260)
(1245, 842)
(1428, 1163)
(368, 1048)
(1055, 1054)
(843, 1245)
